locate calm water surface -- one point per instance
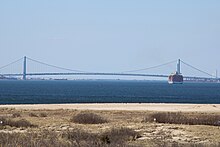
(45, 92)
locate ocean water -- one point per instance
(101, 91)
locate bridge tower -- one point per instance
(178, 67)
(24, 68)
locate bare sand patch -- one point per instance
(123, 106)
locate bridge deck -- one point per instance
(108, 74)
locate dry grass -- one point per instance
(43, 114)
(33, 115)
(181, 118)
(111, 138)
(76, 138)
(123, 128)
(119, 135)
(187, 145)
(88, 118)
(16, 123)
(79, 138)
(40, 139)
(16, 114)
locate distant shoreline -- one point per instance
(122, 106)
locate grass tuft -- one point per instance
(43, 114)
(181, 118)
(79, 137)
(40, 139)
(16, 123)
(16, 114)
(88, 118)
(113, 137)
(119, 135)
(33, 115)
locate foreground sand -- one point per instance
(57, 119)
(123, 106)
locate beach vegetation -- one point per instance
(88, 118)
(43, 114)
(32, 139)
(123, 128)
(33, 115)
(16, 114)
(119, 135)
(76, 137)
(183, 118)
(21, 123)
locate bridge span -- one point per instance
(211, 78)
(186, 78)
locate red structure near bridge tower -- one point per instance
(176, 78)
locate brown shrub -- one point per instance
(119, 135)
(16, 123)
(112, 138)
(79, 138)
(16, 115)
(43, 115)
(33, 115)
(21, 123)
(88, 118)
(40, 139)
(181, 118)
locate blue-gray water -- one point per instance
(45, 92)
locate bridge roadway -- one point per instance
(75, 73)
(189, 78)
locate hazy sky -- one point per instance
(111, 35)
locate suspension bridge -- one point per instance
(23, 73)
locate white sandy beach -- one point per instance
(123, 106)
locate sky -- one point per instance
(111, 35)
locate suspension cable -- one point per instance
(197, 69)
(55, 66)
(10, 63)
(151, 67)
